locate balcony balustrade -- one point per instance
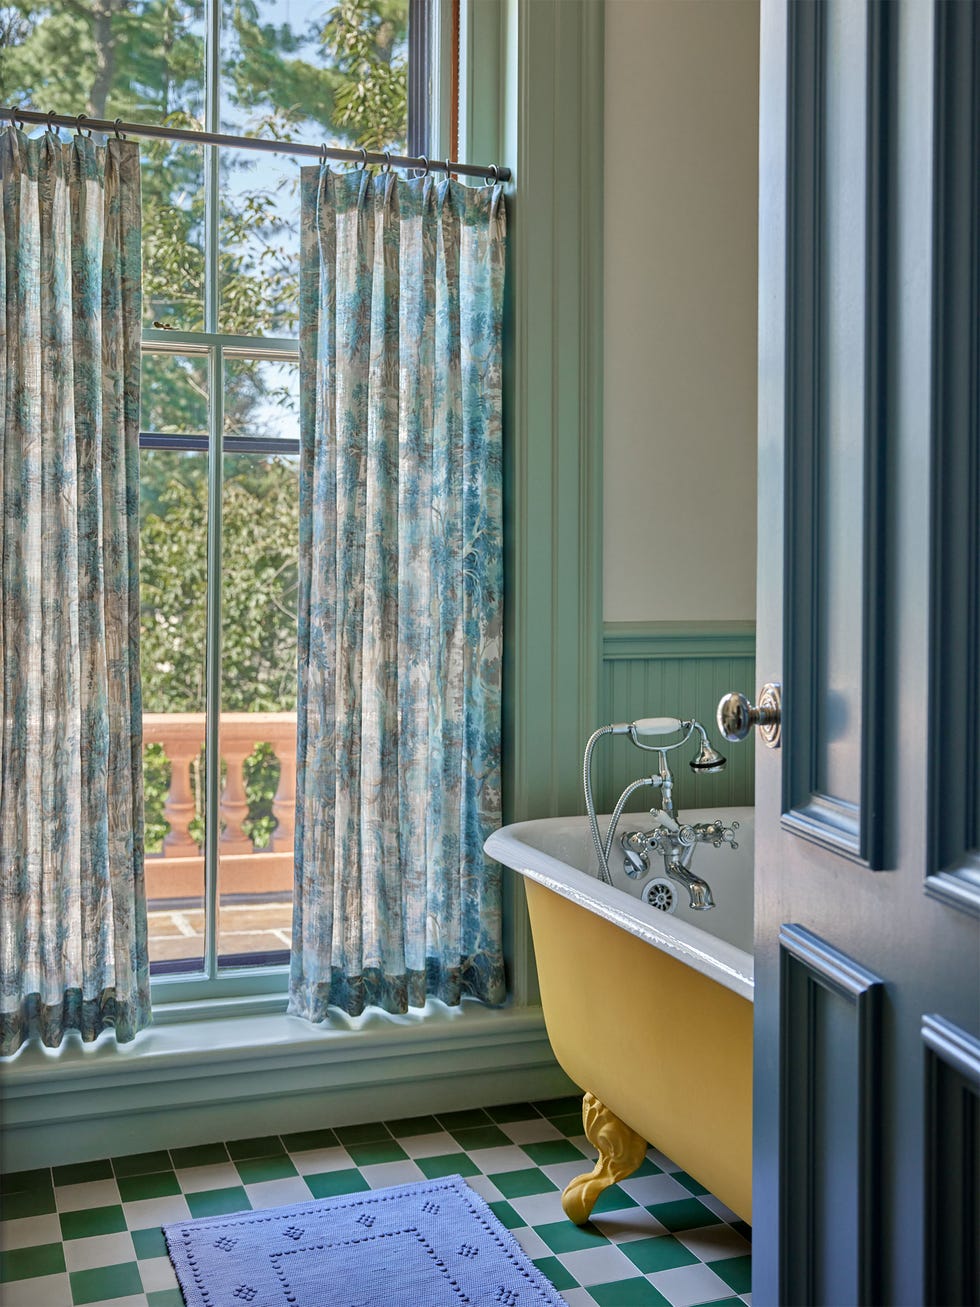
(178, 871)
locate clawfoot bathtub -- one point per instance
(650, 1013)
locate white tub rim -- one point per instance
(712, 957)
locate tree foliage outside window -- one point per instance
(312, 69)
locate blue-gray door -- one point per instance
(867, 1061)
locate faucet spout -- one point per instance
(698, 890)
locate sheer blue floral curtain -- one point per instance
(400, 593)
(73, 948)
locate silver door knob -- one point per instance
(736, 716)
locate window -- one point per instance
(219, 439)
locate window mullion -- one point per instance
(212, 739)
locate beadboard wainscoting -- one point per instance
(674, 669)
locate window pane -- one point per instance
(146, 63)
(262, 399)
(174, 394)
(173, 580)
(172, 179)
(260, 529)
(258, 244)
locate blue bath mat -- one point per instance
(429, 1244)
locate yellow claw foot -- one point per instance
(621, 1150)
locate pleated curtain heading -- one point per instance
(400, 593)
(73, 948)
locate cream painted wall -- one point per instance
(679, 409)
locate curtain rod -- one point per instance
(491, 173)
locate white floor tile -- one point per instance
(630, 1223)
(485, 1187)
(381, 1174)
(321, 1160)
(531, 1132)
(660, 1159)
(651, 1189)
(79, 1197)
(196, 1179)
(277, 1193)
(532, 1243)
(131, 1300)
(98, 1250)
(155, 1211)
(434, 1145)
(539, 1209)
(714, 1242)
(598, 1265)
(157, 1273)
(42, 1291)
(492, 1161)
(686, 1285)
(561, 1173)
(747, 1299)
(29, 1231)
(578, 1297)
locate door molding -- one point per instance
(835, 427)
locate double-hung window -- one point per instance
(219, 434)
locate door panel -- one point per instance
(865, 1122)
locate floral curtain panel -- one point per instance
(73, 948)
(400, 593)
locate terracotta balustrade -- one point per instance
(178, 871)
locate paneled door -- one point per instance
(867, 1060)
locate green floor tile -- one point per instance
(508, 1112)
(306, 1140)
(563, 1237)
(683, 1214)
(331, 1183)
(142, 1163)
(91, 1221)
(453, 1121)
(506, 1215)
(165, 1298)
(560, 1106)
(22, 1182)
(105, 1282)
(255, 1169)
(556, 1273)
(627, 1293)
(518, 1184)
(362, 1134)
(551, 1151)
(613, 1199)
(83, 1172)
(743, 1228)
(688, 1181)
(216, 1202)
(646, 1167)
(149, 1243)
(198, 1155)
(569, 1125)
(158, 1184)
(28, 1202)
(264, 1146)
(29, 1263)
(448, 1164)
(410, 1126)
(482, 1136)
(659, 1254)
(380, 1150)
(736, 1272)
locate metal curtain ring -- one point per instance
(449, 170)
(362, 162)
(386, 166)
(492, 181)
(13, 117)
(425, 170)
(52, 125)
(78, 125)
(323, 154)
(120, 136)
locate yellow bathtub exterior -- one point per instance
(663, 1047)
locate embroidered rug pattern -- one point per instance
(431, 1244)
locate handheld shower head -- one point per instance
(707, 759)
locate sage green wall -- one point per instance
(679, 407)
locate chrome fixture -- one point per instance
(674, 842)
(736, 716)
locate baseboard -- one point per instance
(205, 1081)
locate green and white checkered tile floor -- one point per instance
(90, 1233)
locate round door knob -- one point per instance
(736, 716)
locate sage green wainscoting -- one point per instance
(674, 669)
